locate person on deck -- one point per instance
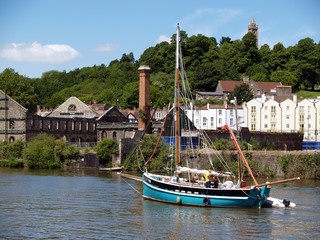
(215, 182)
(208, 179)
(228, 184)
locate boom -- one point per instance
(236, 144)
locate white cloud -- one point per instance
(107, 47)
(35, 52)
(163, 38)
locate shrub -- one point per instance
(105, 149)
(41, 152)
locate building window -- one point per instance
(212, 121)
(301, 118)
(11, 124)
(231, 113)
(32, 122)
(220, 121)
(11, 139)
(265, 116)
(80, 126)
(73, 125)
(309, 108)
(253, 109)
(287, 126)
(114, 136)
(87, 126)
(253, 127)
(301, 127)
(49, 124)
(41, 124)
(197, 112)
(287, 116)
(231, 121)
(204, 122)
(220, 112)
(287, 108)
(58, 125)
(197, 122)
(266, 126)
(266, 108)
(273, 109)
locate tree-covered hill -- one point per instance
(205, 60)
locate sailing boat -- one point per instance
(186, 191)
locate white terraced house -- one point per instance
(211, 117)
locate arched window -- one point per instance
(114, 135)
(72, 107)
(11, 139)
(104, 134)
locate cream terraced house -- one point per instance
(286, 116)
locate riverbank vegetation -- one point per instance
(139, 156)
(305, 166)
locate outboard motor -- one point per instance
(286, 202)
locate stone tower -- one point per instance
(253, 27)
(144, 98)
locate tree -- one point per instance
(19, 88)
(225, 40)
(243, 93)
(308, 57)
(285, 77)
(206, 76)
(105, 149)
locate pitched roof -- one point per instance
(268, 86)
(228, 86)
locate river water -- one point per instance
(88, 204)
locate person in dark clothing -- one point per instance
(215, 182)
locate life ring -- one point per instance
(206, 201)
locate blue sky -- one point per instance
(42, 35)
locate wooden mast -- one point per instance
(176, 95)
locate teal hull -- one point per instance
(251, 199)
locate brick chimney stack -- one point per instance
(144, 98)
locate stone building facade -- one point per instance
(12, 119)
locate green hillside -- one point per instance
(206, 60)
